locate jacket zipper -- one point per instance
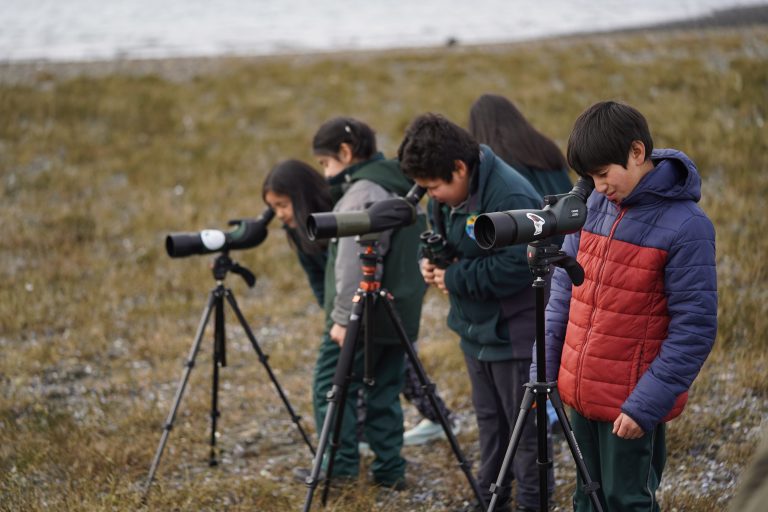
(449, 224)
(604, 259)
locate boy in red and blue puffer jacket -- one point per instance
(626, 345)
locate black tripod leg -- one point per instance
(541, 391)
(514, 441)
(218, 361)
(368, 361)
(429, 388)
(343, 378)
(590, 487)
(336, 397)
(263, 358)
(543, 461)
(190, 363)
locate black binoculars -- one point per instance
(436, 249)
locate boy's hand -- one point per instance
(337, 334)
(428, 271)
(626, 428)
(439, 279)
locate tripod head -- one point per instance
(223, 264)
(369, 261)
(542, 254)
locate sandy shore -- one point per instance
(181, 69)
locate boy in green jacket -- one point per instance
(492, 302)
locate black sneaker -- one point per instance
(475, 507)
(398, 485)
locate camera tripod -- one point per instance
(361, 317)
(221, 266)
(540, 256)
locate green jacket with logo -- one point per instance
(492, 302)
(378, 178)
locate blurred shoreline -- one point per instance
(186, 68)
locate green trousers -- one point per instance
(383, 418)
(628, 470)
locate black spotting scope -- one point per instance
(380, 216)
(247, 233)
(563, 214)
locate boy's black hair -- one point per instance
(497, 122)
(333, 133)
(309, 193)
(431, 146)
(603, 135)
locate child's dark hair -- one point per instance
(309, 193)
(332, 134)
(431, 146)
(496, 121)
(603, 135)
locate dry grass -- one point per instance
(96, 321)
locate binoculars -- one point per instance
(436, 249)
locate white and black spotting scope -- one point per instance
(246, 234)
(563, 214)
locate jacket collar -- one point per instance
(342, 181)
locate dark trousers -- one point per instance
(497, 392)
(414, 393)
(383, 426)
(628, 470)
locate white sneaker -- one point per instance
(364, 449)
(425, 432)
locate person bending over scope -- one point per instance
(492, 304)
(359, 175)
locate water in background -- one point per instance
(109, 29)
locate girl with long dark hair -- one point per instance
(295, 190)
(498, 123)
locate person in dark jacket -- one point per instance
(497, 122)
(492, 304)
(358, 176)
(627, 344)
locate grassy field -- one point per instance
(96, 321)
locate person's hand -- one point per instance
(338, 333)
(439, 279)
(428, 271)
(627, 428)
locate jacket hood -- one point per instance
(480, 177)
(378, 169)
(674, 177)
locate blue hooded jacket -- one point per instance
(635, 335)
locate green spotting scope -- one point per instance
(380, 216)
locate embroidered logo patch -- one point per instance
(470, 227)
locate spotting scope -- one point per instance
(246, 234)
(563, 214)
